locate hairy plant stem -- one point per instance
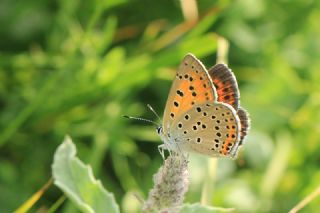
(170, 185)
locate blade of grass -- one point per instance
(306, 200)
(208, 185)
(222, 52)
(189, 10)
(57, 204)
(26, 206)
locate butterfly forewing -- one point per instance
(226, 85)
(210, 128)
(191, 86)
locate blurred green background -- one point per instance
(75, 67)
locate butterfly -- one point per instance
(203, 112)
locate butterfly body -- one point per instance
(201, 113)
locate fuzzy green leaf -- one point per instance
(76, 180)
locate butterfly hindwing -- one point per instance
(245, 124)
(211, 129)
(227, 91)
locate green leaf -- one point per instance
(76, 180)
(200, 46)
(203, 26)
(197, 207)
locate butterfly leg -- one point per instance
(162, 148)
(179, 149)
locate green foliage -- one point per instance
(196, 207)
(78, 183)
(75, 67)
(76, 180)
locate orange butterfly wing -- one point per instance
(245, 124)
(227, 91)
(192, 85)
(226, 85)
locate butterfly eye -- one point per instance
(159, 130)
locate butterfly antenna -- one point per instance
(141, 119)
(154, 112)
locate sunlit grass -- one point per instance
(89, 63)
